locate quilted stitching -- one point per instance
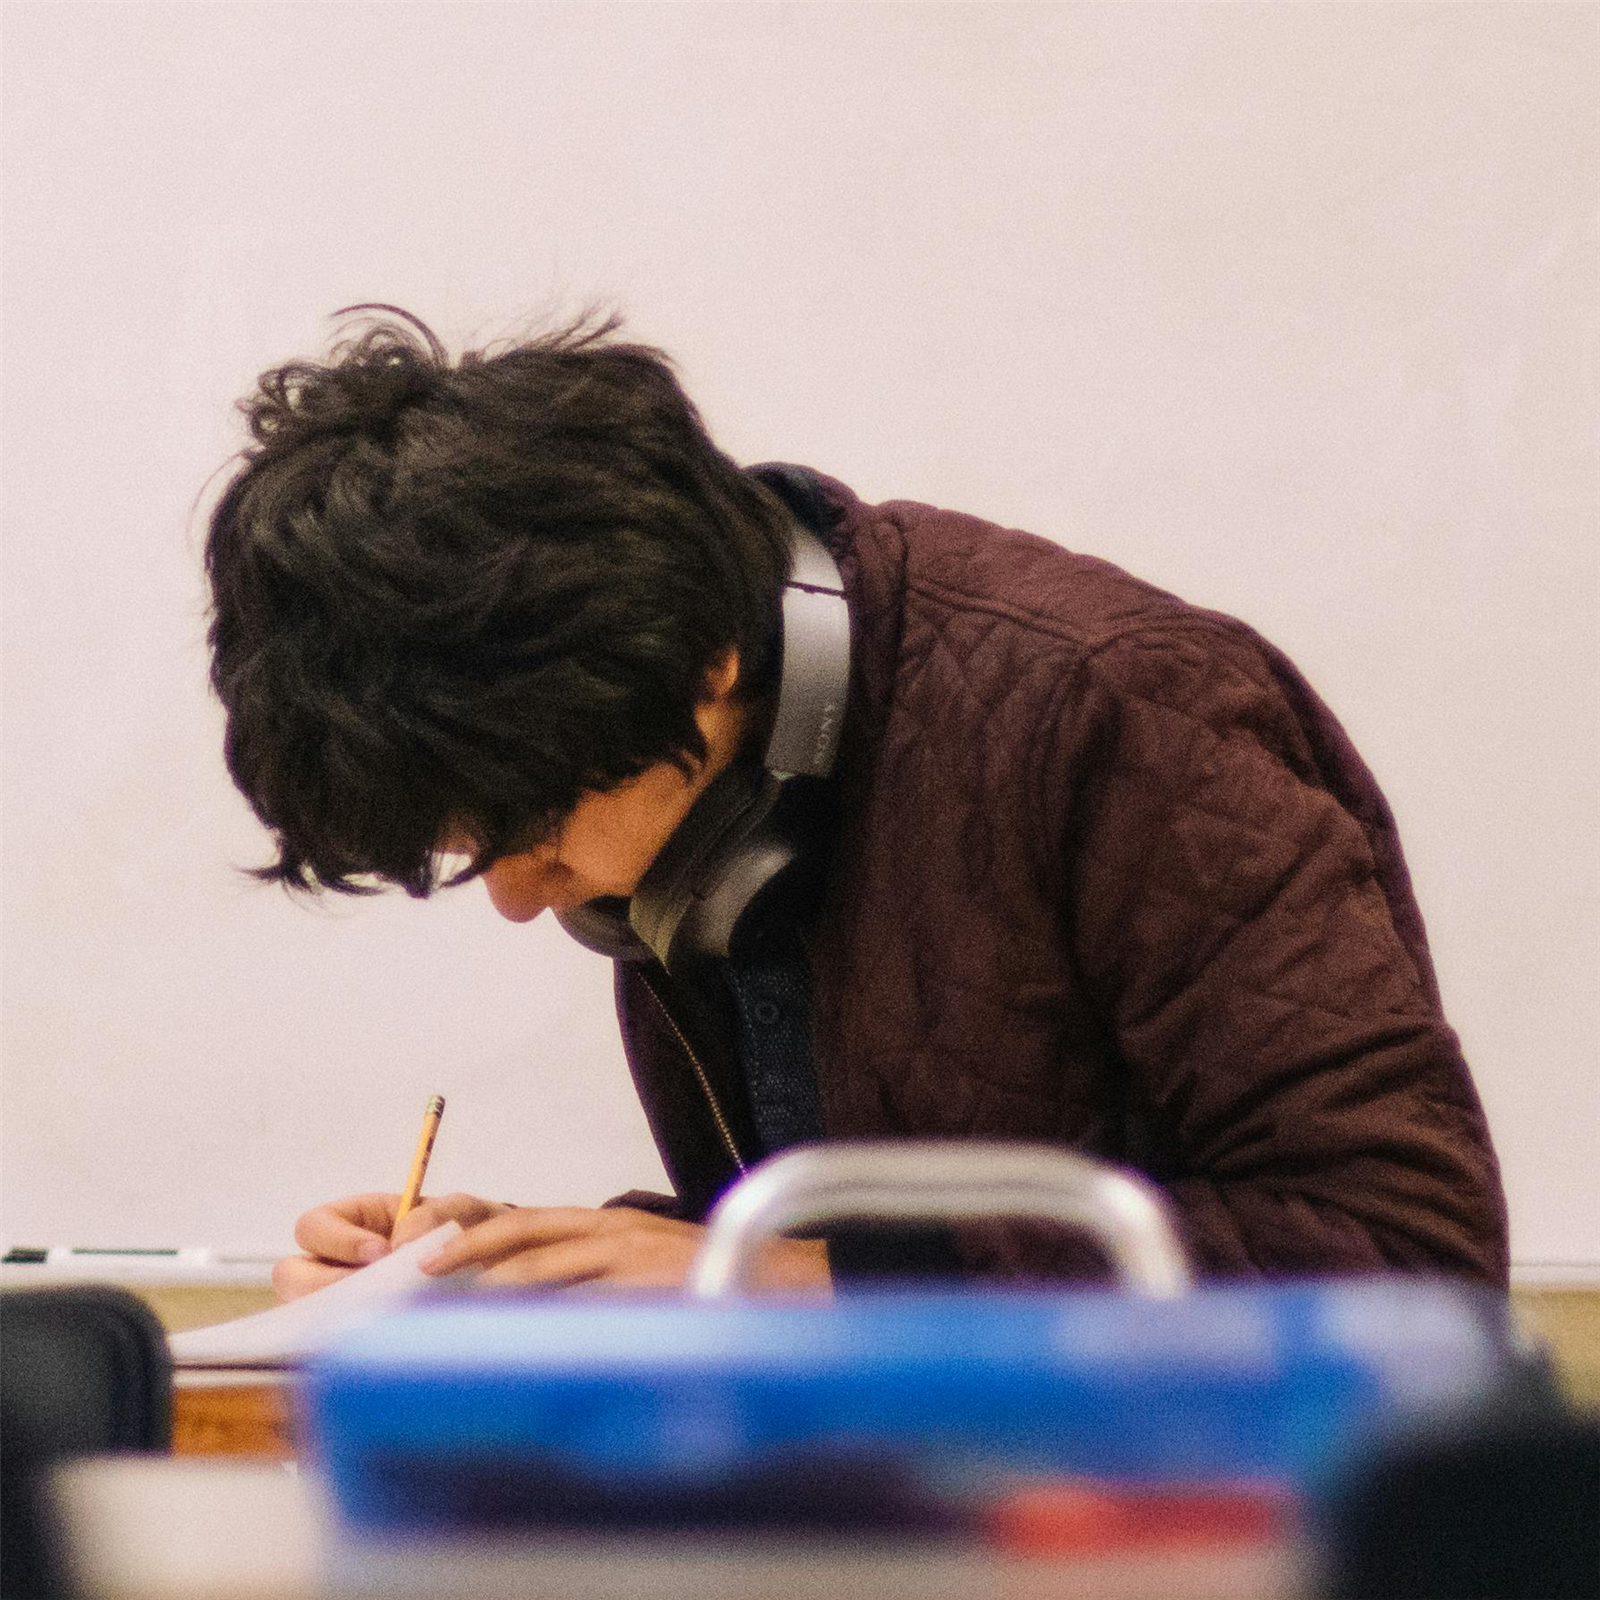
(1111, 875)
(1243, 986)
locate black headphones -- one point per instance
(725, 851)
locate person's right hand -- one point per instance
(346, 1234)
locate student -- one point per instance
(1091, 866)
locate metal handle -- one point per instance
(938, 1181)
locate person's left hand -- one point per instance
(558, 1245)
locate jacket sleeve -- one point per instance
(1240, 911)
(658, 1205)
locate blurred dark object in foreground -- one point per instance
(1504, 1505)
(83, 1370)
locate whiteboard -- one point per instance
(1290, 308)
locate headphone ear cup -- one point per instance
(603, 926)
(715, 913)
(717, 861)
(693, 867)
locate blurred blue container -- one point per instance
(489, 1409)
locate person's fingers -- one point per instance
(516, 1228)
(616, 1244)
(294, 1276)
(567, 1245)
(426, 1215)
(793, 1264)
(352, 1231)
(632, 1258)
(555, 1266)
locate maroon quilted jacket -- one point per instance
(1108, 874)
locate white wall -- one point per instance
(1290, 308)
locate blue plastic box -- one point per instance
(506, 1409)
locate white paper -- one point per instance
(288, 1333)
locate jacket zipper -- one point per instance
(700, 1073)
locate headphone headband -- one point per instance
(816, 663)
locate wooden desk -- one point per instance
(233, 1413)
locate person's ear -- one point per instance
(721, 677)
(720, 715)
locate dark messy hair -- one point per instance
(454, 598)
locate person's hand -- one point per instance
(347, 1234)
(558, 1245)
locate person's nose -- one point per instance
(518, 887)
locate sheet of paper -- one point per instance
(288, 1333)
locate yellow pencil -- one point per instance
(419, 1162)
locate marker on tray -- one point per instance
(60, 1255)
(134, 1263)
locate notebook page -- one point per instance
(285, 1334)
